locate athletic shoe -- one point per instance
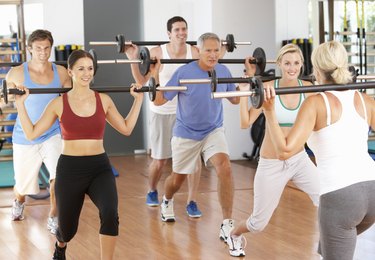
(236, 245)
(192, 210)
(166, 209)
(226, 228)
(152, 199)
(52, 224)
(17, 210)
(59, 253)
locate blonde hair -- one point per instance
(331, 60)
(290, 48)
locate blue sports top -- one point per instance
(35, 105)
(197, 113)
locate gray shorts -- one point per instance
(343, 215)
(186, 152)
(161, 130)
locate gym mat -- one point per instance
(371, 146)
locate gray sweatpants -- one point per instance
(271, 177)
(344, 214)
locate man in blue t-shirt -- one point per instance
(198, 130)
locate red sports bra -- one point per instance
(75, 127)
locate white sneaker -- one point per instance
(226, 228)
(52, 224)
(166, 210)
(236, 245)
(17, 210)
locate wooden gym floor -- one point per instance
(291, 234)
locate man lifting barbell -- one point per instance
(28, 155)
(163, 118)
(199, 130)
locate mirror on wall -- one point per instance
(353, 25)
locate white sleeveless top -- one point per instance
(165, 75)
(341, 149)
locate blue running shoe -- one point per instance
(192, 210)
(152, 199)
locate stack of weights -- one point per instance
(62, 52)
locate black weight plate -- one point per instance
(258, 98)
(260, 57)
(230, 43)
(120, 43)
(144, 56)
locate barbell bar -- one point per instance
(151, 89)
(256, 90)
(213, 80)
(121, 43)
(144, 60)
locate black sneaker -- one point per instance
(59, 253)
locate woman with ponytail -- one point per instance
(335, 125)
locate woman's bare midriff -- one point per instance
(84, 147)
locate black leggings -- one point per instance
(80, 175)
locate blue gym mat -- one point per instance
(6, 174)
(371, 148)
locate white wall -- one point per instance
(64, 19)
(157, 13)
(248, 21)
(291, 20)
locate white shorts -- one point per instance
(161, 130)
(27, 160)
(186, 152)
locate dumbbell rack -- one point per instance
(20, 40)
(6, 146)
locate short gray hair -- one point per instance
(207, 36)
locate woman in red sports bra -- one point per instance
(83, 166)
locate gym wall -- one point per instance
(102, 21)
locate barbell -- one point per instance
(144, 60)
(121, 43)
(256, 90)
(151, 89)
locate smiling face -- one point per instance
(178, 33)
(290, 65)
(82, 71)
(40, 50)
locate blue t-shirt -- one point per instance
(197, 113)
